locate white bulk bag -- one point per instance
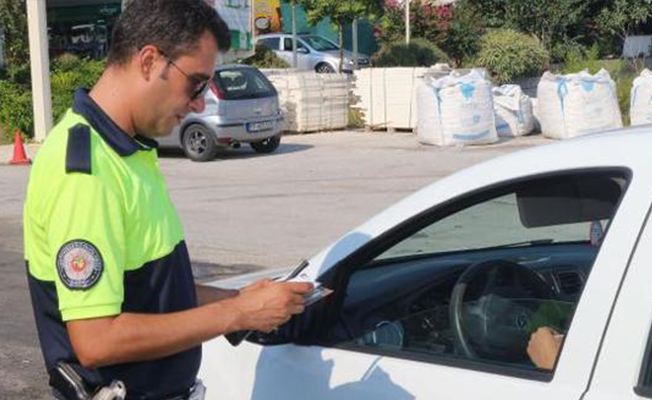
(577, 104)
(640, 100)
(456, 110)
(513, 111)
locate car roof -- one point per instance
(274, 35)
(223, 67)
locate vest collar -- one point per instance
(113, 135)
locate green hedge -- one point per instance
(508, 55)
(265, 58)
(15, 109)
(68, 73)
(419, 53)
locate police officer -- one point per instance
(108, 268)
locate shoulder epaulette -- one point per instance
(78, 151)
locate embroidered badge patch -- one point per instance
(79, 265)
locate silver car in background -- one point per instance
(241, 107)
(314, 53)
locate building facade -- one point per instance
(81, 27)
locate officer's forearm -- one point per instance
(140, 337)
(209, 294)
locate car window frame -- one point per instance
(300, 45)
(339, 274)
(217, 79)
(274, 38)
(643, 388)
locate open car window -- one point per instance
(469, 282)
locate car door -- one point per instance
(340, 350)
(303, 53)
(623, 369)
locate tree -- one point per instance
(427, 21)
(556, 23)
(341, 13)
(461, 38)
(13, 27)
(623, 17)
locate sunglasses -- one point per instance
(199, 87)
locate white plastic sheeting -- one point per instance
(577, 104)
(513, 111)
(640, 100)
(456, 110)
(312, 102)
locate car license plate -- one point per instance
(260, 126)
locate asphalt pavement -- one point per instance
(242, 212)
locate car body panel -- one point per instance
(604, 347)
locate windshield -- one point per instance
(319, 43)
(541, 212)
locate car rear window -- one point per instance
(243, 83)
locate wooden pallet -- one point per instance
(387, 128)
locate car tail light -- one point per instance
(215, 89)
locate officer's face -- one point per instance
(180, 88)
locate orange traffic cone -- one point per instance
(19, 151)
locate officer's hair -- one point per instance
(173, 26)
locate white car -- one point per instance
(436, 297)
(314, 53)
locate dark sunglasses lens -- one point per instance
(200, 90)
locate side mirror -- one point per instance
(302, 50)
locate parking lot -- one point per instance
(242, 212)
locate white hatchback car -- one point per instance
(437, 296)
(242, 106)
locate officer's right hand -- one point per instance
(266, 304)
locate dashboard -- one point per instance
(404, 304)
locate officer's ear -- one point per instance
(147, 59)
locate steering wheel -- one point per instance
(498, 325)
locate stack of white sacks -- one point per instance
(640, 101)
(577, 104)
(513, 108)
(312, 102)
(456, 110)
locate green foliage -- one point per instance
(13, 23)
(461, 39)
(356, 119)
(419, 53)
(15, 109)
(578, 60)
(624, 84)
(508, 54)
(265, 58)
(622, 17)
(16, 73)
(554, 23)
(70, 73)
(426, 21)
(340, 12)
